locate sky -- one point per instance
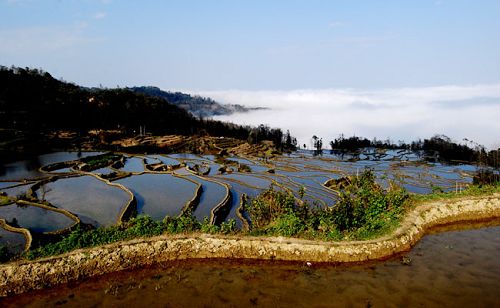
(399, 69)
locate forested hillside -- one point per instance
(32, 101)
(196, 105)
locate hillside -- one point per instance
(196, 105)
(33, 100)
(34, 107)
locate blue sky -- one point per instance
(339, 58)
(256, 45)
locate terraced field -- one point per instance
(53, 193)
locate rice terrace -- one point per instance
(249, 154)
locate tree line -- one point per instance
(440, 147)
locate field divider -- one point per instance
(191, 204)
(224, 203)
(240, 210)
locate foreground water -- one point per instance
(447, 269)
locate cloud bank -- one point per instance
(407, 114)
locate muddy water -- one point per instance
(456, 268)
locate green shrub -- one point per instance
(363, 202)
(142, 226)
(207, 227)
(363, 209)
(228, 227)
(270, 205)
(288, 224)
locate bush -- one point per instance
(142, 226)
(270, 205)
(486, 176)
(363, 202)
(363, 209)
(224, 228)
(288, 224)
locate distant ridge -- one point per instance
(194, 104)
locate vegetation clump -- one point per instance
(4, 200)
(486, 176)
(100, 161)
(363, 210)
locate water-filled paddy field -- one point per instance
(445, 269)
(167, 185)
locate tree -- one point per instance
(317, 145)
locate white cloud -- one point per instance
(405, 113)
(99, 15)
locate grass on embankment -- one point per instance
(471, 191)
(364, 211)
(142, 226)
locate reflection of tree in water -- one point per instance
(33, 163)
(14, 223)
(22, 205)
(44, 190)
(2, 169)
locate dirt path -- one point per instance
(22, 276)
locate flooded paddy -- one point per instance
(160, 193)
(17, 171)
(14, 241)
(92, 200)
(15, 190)
(133, 164)
(34, 218)
(29, 169)
(454, 268)
(213, 193)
